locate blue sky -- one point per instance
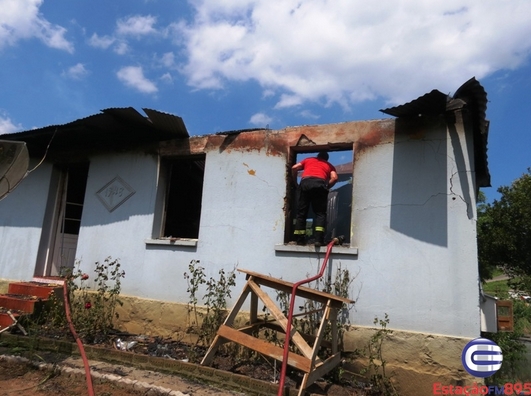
(234, 64)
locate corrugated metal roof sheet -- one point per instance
(167, 122)
(112, 128)
(432, 103)
(475, 96)
(470, 95)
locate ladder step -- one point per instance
(264, 347)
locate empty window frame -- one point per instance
(339, 210)
(184, 191)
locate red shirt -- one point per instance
(316, 167)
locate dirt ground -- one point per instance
(62, 376)
(29, 379)
(19, 376)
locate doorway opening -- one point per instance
(64, 213)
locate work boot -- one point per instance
(319, 238)
(301, 240)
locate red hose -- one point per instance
(78, 340)
(290, 314)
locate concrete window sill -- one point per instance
(345, 249)
(172, 242)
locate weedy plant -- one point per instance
(206, 321)
(92, 301)
(375, 370)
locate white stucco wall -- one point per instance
(242, 219)
(21, 218)
(417, 253)
(120, 233)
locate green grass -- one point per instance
(497, 272)
(497, 288)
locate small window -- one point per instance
(504, 310)
(184, 191)
(338, 222)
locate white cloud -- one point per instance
(167, 78)
(347, 51)
(133, 76)
(260, 119)
(76, 72)
(137, 25)
(121, 47)
(309, 114)
(6, 126)
(168, 60)
(133, 26)
(103, 42)
(20, 19)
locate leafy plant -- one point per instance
(504, 230)
(376, 368)
(195, 279)
(94, 309)
(513, 354)
(205, 323)
(217, 292)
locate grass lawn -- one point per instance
(497, 288)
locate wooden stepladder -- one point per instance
(307, 346)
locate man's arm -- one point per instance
(295, 172)
(333, 179)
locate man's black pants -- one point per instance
(314, 192)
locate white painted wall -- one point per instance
(120, 234)
(21, 219)
(417, 246)
(242, 219)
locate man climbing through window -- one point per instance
(318, 176)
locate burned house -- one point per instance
(140, 189)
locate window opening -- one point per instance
(339, 209)
(184, 192)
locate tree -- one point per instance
(504, 232)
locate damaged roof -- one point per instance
(471, 96)
(112, 128)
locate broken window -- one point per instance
(183, 179)
(338, 222)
